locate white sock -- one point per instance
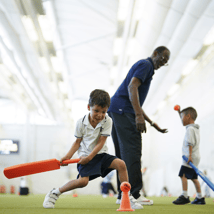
(185, 194)
(199, 195)
(56, 191)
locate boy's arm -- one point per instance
(97, 148)
(155, 125)
(75, 146)
(190, 154)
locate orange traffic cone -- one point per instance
(75, 195)
(125, 202)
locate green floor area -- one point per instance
(66, 204)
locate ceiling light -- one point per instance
(44, 64)
(7, 42)
(111, 90)
(140, 9)
(67, 103)
(46, 28)
(18, 88)
(189, 67)
(57, 65)
(5, 84)
(173, 89)
(5, 70)
(62, 87)
(122, 9)
(113, 72)
(41, 112)
(131, 45)
(117, 46)
(53, 87)
(161, 104)
(125, 71)
(30, 28)
(209, 38)
(61, 105)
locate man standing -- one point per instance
(129, 118)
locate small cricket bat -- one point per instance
(35, 167)
(201, 174)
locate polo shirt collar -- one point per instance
(87, 123)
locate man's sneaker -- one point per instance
(198, 201)
(144, 201)
(181, 200)
(50, 200)
(134, 204)
(118, 201)
(104, 195)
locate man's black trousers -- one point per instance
(128, 146)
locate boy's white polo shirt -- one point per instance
(90, 135)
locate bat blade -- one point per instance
(35, 167)
(201, 174)
(31, 168)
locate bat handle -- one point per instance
(190, 163)
(70, 161)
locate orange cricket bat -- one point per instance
(35, 167)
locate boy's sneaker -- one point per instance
(199, 201)
(134, 204)
(50, 200)
(181, 200)
(144, 201)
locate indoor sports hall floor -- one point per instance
(15, 204)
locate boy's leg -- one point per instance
(184, 185)
(198, 199)
(77, 183)
(53, 195)
(197, 185)
(120, 166)
(183, 199)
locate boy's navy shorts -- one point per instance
(97, 167)
(189, 172)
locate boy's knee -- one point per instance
(83, 182)
(195, 180)
(122, 165)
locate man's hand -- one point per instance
(84, 160)
(140, 123)
(159, 129)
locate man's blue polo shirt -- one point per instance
(143, 70)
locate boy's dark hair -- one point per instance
(191, 111)
(100, 98)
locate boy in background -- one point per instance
(91, 133)
(106, 185)
(191, 150)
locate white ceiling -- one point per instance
(92, 45)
